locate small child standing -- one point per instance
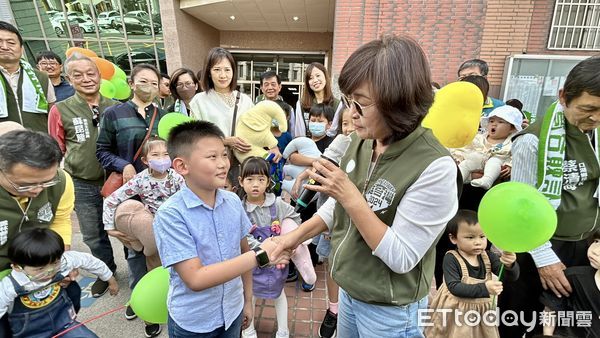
(37, 305)
(490, 150)
(585, 281)
(266, 213)
(130, 220)
(201, 237)
(468, 282)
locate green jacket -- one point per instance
(80, 137)
(40, 214)
(353, 266)
(31, 120)
(578, 210)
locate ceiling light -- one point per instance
(295, 18)
(232, 17)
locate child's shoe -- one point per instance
(307, 287)
(282, 334)
(329, 325)
(484, 182)
(129, 313)
(249, 333)
(152, 330)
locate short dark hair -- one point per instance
(36, 247)
(482, 65)
(165, 76)
(515, 103)
(462, 216)
(5, 26)
(324, 110)
(481, 82)
(214, 56)
(268, 75)
(28, 147)
(584, 77)
(48, 55)
(175, 77)
(143, 66)
(183, 137)
(397, 71)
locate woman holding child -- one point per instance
(123, 129)
(395, 178)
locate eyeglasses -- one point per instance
(95, 116)
(29, 187)
(46, 273)
(349, 103)
(185, 84)
(48, 64)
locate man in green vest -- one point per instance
(558, 155)
(26, 94)
(74, 124)
(34, 192)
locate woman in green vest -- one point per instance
(391, 196)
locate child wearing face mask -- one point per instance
(130, 220)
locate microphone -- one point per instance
(333, 154)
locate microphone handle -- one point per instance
(307, 195)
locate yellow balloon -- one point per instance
(455, 114)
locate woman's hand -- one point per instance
(128, 173)
(296, 188)
(275, 151)
(237, 143)
(333, 181)
(508, 258)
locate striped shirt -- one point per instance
(122, 130)
(524, 170)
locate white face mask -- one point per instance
(317, 129)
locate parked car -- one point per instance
(75, 14)
(109, 19)
(87, 26)
(140, 55)
(137, 25)
(138, 14)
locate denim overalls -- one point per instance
(267, 282)
(44, 312)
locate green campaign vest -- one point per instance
(578, 211)
(31, 120)
(353, 266)
(81, 136)
(40, 214)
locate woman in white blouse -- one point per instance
(217, 103)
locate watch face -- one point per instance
(262, 258)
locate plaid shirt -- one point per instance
(122, 130)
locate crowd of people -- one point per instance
(395, 214)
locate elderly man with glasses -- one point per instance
(34, 192)
(74, 123)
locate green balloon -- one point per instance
(516, 217)
(119, 74)
(107, 89)
(122, 90)
(149, 297)
(5, 273)
(169, 121)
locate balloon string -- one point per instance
(500, 275)
(89, 320)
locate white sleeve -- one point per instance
(326, 212)
(7, 295)
(423, 212)
(81, 260)
(333, 130)
(299, 125)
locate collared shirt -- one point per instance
(63, 90)
(122, 131)
(13, 80)
(186, 228)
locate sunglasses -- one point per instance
(349, 103)
(29, 187)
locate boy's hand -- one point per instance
(70, 278)
(248, 312)
(113, 286)
(508, 258)
(493, 287)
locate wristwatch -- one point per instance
(261, 257)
